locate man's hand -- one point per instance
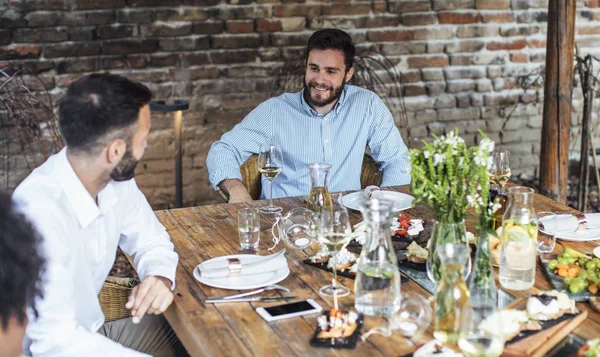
(236, 190)
(153, 296)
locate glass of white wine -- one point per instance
(270, 164)
(485, 338)
(334, 232)
(500, 170)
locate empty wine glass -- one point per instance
(334, 232)
(270, 164)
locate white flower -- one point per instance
(427, 154)
(438, 159)
(461, 161)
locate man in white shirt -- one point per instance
(20, 268)
(85, 203)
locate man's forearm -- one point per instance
(236, 190)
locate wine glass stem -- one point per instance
(334, 281)
(271, 193)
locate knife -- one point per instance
(224, 268)
(250, 299)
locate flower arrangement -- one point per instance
(449, 177)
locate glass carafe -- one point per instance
(443, 233)
(452, 303)
(377, 284)
(519, 240)
(319, 197)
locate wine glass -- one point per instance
(500, 170)
(485, 337)
(270, 164)
(334, 232)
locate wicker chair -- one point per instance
(370, 175)
(113, 297)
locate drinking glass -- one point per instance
(485, 337)
(414, 315)
(249, 228)
(500, 170)
(270, 164)
(334, 232)
(547, 223)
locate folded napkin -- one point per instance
(265, 264)
(371, 192)
(568, 223)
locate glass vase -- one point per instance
(482, 287)
(444, 233)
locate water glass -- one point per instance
(547, 223)
(249, 228)
(414, 315)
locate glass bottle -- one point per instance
(452, 303)
(442, 233)
(377, 283)
(519, 240)
(482, 287)
(319, 197)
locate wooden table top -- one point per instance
(202, 233)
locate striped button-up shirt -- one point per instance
(359, 119)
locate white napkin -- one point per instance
(371, 191)
(266, 264)
(568, 223)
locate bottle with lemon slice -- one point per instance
(519, 241)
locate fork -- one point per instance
(270, 287)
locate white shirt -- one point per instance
(80, 242)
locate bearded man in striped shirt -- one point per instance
(327, 121)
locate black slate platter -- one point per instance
(545, 325)
(345, 273)
(557, 282)
(339, 342)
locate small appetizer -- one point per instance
(435, 349)
(416, 254)
(512, 322)
(590, 349)
(337, 324)
(344, 259)
(550, 305)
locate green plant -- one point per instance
(449, 177)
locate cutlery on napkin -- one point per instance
(569, 223)
(220, 269)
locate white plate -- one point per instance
(580, 236)
(242, 282)
(401, 201)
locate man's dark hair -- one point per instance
(97, 105)
(20, 263)
(333, 39)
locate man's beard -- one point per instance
(125, 169)
(336, 93)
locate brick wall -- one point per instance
(460, 60)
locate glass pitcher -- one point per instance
(377, 283)
(452, 300)
(319, 197)
(443, 233)
(519, 240)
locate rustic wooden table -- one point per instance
(202, 233)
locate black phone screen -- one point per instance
(289, 308)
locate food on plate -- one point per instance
(550, 305)
(512, 322)
(322, 256)
(344, 260)
(405, 227)
(416, 254)
(580, 272)
(590, 349)
(435, 348)
(495, 246)
(337, 324)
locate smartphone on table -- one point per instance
(284, 311)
